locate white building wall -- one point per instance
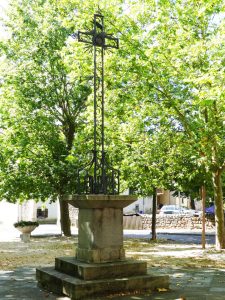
(181, 200)
(27, 211)
(52, 208)
(167, 197)
(11, 213)
(8, 213)
(142, 205)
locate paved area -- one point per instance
(9, 233)
(189, 284)
(188, 237)
(186, 283)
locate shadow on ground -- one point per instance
(195, 274)
(186, 283)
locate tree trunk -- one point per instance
(219, 215)
(203, 197)
(192, 203)
(64, 217)
(154, 208)
(69, 131)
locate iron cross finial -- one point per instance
(102, 179)
(97, 36)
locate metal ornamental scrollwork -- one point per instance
(98, 177)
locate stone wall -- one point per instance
(167, 222)
(73, 211)
(133, 222)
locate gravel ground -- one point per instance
(195, 273)
(41, 251)
(37, 252)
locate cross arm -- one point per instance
(85, 37)
(111, 42)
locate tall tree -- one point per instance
(46, 82)
(173, 56)
(45, 94)
(164, 87)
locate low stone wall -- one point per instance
(133, 222)
(73, 211)
(167, 222)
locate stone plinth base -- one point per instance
(100, 226)
(88, 271)
(100, 236)
(100, 267)
(100, 255)
(79, 280)
(25, 237)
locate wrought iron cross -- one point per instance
(100, 177)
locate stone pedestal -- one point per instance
(100, 236)
(25, 237)
(100, 227)
(99, 266)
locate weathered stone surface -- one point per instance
(76, 288)
(100, 255)
(100, 235)
(100, 226)
(25, 237)
(168, 222)
(99, 201)
(133, 222)
(73, 212)
(100, 266)
(87, 271)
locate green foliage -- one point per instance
(168, 93)
(44, 97)
(25, 223)
(164, 110)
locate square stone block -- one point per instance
(91, 271)
(100, 255)
(100, 235)
(75, 288)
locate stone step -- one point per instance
(75, 288)
(91, 271)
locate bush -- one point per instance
(25, 223)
